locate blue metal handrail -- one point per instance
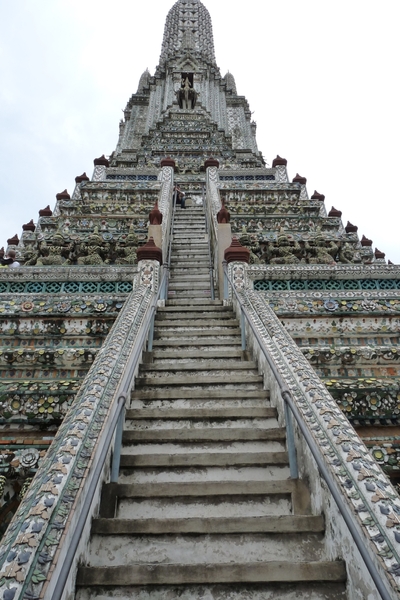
(116, 424)
(291, 409)
(210, 258)
(163, 288)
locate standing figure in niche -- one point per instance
(186, 95)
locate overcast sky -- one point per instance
(320, 76)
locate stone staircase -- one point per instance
(204, 507)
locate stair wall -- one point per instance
(365, 489)
(48, 514)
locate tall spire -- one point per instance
(188, 28)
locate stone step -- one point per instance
(189, 231)
(191, 324)
(198, 342)
(201, 267)
(208, 591)
(188, 251)
(194, 366)
(201, 354)
(195, 302)
(270, 524)
(179, 239)
(201, 275)
(200, 310)
(198, 247)
(204, 435)
(192, 234)
(209, 459)
(292, 487)
(193, 284)
(200, 393)
(187, 294)
(200, 379)
(211, 332)
(251, 412)
(189, 507)
(189, 238)
(185, 263)
(178, 574)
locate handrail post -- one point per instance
(118, 443)
(243, 328)
(208, 232)
(151, 334)
(212, 283)
(294, 471)
(226, 282)
(164, 289)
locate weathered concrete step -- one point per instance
(190, 253)
(187, 294)
(179, 242)
(189, 240)
(197, 273)
(192, 235)
(203, 435)
(219, 393)
(208, 306)
(195, 354)
(203, 507)
(194, 246)
(204, 474)
(200, 343)
(183, 333)
(234, 498)
(192, 284)
(195, 302)
(189, 264)
(187, 227)
(189, 249)
(200, 549)
(189, 290)
(186, 281)
(202, 315)
(200, 366)
(177, 574)
(204, 379)
(252, 412)
(204, 460)
(181, 267)
(211, 488)
(195, 322)
(236, 591)
(271, 524)
(190, 270)
(169, 424)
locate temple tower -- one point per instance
(325, 304)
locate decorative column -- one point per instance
(237, 257)
(149, 261)
(280, 165)
(100, 166)
(155, 227)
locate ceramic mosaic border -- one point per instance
(337, 271)
(75, 273)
